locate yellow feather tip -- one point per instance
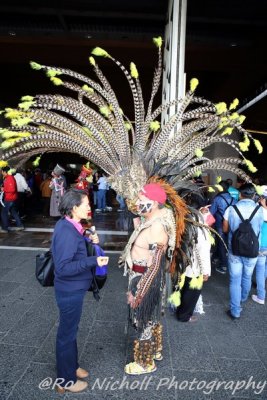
(243, 146)
(158, 41)
(36, 162)
(35, 65)
(13, 113)
(250, 166)
(210, 189)
(259, 189)
(3, 163)
(258, 146)
(199, 153)
(127, 126)
(21, 121)
(25, 105)
(175, 299)
(219, 187)
(193, 84)
(92, 61)
(87, 89)
(197, 174)
(154, 126)
(241, 119)
(51, 73)
(104, 111)
(27, 98)
(211, 239)
(221, 108)
(133, 69)
(227, 131)
(234, 104)
(196, 283)
(56, 81)
(99, 52)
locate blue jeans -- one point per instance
(240, 271)
(10, 206)
(261, 274)
(101, 198)
(221, 251)
(70, 311)
(121, 201)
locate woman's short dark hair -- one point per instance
(70, 199)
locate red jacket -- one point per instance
(10, 188)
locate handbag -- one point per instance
(99, 273)
(44, 269)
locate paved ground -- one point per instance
(197, 356)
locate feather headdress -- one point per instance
(92, 124)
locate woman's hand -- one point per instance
(101, 261)
(94, 237)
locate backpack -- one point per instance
(245, 242)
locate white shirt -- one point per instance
(102, 183)
(22, 185)
(203, 248)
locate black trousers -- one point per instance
(189, 298)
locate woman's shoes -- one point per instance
(81, 373)
(78, 386)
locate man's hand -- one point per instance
(205, 278)
(130, 299)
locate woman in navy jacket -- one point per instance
(73, 277)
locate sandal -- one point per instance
(136, 369)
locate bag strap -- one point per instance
(254, 212)
(222, 197)
(238, 213)
(251, 216)
(228, 204)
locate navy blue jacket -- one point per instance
(73, 268)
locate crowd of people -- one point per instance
(26, 191)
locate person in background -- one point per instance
(261, 265)
(109, 196)
(46, 195)
(73, 278)
(234, 192)
(9, 189)
(199, 269)
(241, 268)
(96, 176)
(23, 190)
(83, 183)
(101, 194)
(58, 185)
(218, 206)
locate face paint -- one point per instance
(144, 207)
